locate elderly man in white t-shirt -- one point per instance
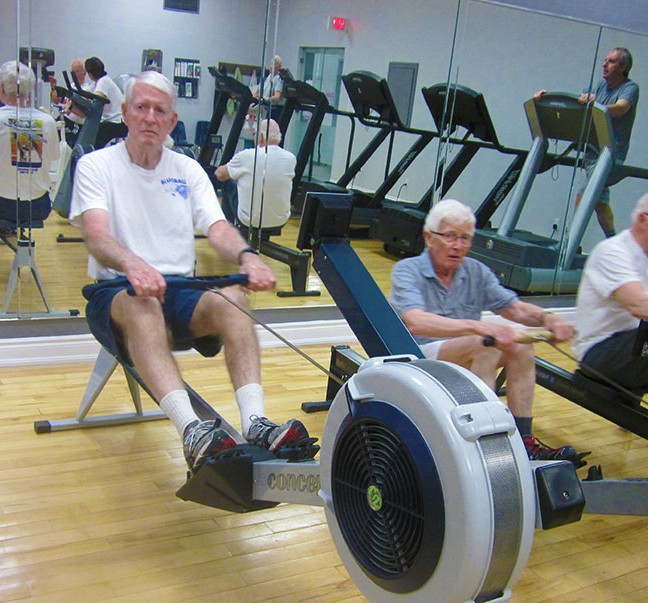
(139, 205)
(612, 298)
(261, 198)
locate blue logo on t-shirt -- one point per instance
(176, 186)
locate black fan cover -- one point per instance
(388, 498)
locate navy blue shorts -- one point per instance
(178, 308)
(23, 212)
(613, 358)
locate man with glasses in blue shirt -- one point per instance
(440, 296)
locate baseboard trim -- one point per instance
(61, 349)
(32, 351)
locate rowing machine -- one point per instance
(422, 473)
(423, 477)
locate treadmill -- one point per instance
(527, 262)
(301, 96)
(227, 88)
(373, 106)
(91, 105)
(400, 225)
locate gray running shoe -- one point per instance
(266, 434)
(203, 439)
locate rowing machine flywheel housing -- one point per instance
(426, 484)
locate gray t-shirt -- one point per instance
(475, 288)
(621, 126)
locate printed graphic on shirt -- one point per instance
(176, 187)
(26, 136)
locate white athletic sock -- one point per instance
(250, 402)
(177, 406)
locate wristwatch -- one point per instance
(248, 249)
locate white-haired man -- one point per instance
(440, 296)
(272, 90)
(139, 204)
(261, 196)
(612, 298)
(29, 145)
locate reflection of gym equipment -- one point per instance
(374, 107)
(24, 257)
(422, 474)
(230, 88)
(91, 105)
(523, 260)
(400, 226)
(297, 261)
(41, 59)
(227, 88)
(180, 142)
(301, 96)
(24, 246)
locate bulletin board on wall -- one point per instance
(186, 77)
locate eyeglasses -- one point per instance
(452, 237)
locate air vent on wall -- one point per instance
(187, 6)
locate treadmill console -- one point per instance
(560, 116)
(371, 99)
(466, 108)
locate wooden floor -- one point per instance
(89, 516)
(63, 270)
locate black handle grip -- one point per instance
(198, 282)
(201, 282)
(489, 341)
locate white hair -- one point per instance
(155, 80)
(640, 208)
(17, 78)
(449, 211)
(270, 130)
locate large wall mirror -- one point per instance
(498, 55)
(538, 238)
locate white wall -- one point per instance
(118, 30)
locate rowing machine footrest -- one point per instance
(226, 482)
(560, 496)
(304, 450)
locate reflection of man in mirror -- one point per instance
(29, 146)
(71, 112)
(619, 94)
(272, 87)
(260, 197)
(111, 125)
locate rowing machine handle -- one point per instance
(202, 282)
(523, 336)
